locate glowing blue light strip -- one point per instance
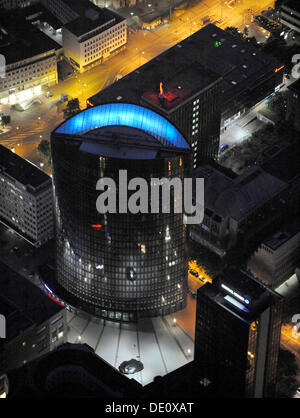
(128, 115)
(235, 294)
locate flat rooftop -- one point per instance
(284, 235)
(239, 293)
(23, 303)
(295, 86)
(21, 170)
(157, 343)
(180, 87)
(292, 4)
(237, 197)
(90, 17)
(284, 163)
(240, 65)
(20, 40)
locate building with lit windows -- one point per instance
(120, 266)
(26, 202)
(35, 324)
(209, 80)
(15, 4)
(90, 34)
(30, 59)
(238, 324)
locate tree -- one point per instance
(286, 374)
(5, 120)
(44, 149)
(72, 108)
(278, 104)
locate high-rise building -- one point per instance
(208, 76)
(90, 34)
(26, 201)
(238, 328)
(119, 265)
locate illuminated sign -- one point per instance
(278, 69)
(97, 226)
(237, 295)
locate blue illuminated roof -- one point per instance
(127, 115)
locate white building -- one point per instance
(26, 203)
(90, 34)
(30, 60)
(275, 260)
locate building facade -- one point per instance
(290, 15)
(293, 105)
(35, 325)
(26, 202)
(237, 337)
(243, 73)
(90, 34)
(275, 260)
(240, 211)
(30, 60)
(119, 266)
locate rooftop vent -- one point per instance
(92, 14)
(234, 46)
(119, 98)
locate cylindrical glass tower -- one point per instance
(119, 266)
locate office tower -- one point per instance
(90, 34)
(119, 265)
(202, 84)
(26, 202)
(35, 325)
(238, 327)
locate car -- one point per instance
(193, 273)
(130, 367)
(223, 147)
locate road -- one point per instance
(29, 127)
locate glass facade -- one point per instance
(118, 266)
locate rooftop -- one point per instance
(241, 65)
(284, 163)
(241, 294)
(239, 196)
(295, 86)
(180, 87)
(284, 235)
(21, 170)
(90, 17)
(154, 130)
(20, 40)
(23, 303)
(292, 4)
